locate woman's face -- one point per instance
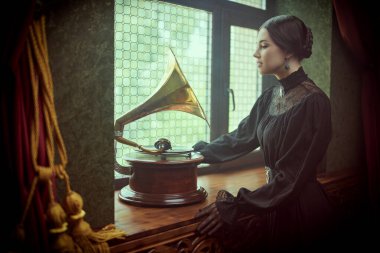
(270, 58)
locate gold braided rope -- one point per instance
(41, 78)
(39, 46)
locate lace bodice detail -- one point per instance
(282, 102)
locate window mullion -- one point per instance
(219, 105)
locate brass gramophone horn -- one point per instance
(173, 94)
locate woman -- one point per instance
(291, 123)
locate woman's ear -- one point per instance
(288, 55)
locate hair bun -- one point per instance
(307, 47)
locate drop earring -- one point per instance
(287, 67)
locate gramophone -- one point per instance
(161, 174)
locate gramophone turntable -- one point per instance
(162, 175)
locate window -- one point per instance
(144, 30)
(254, 3)
(213, 41)
(245, 81)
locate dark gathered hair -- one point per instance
(290, 34)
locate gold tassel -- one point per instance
(107, 233)
(81, 231)
(73, 205)
(60, 241)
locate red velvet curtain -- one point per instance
(358, 24)
(17, 170)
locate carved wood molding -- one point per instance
(197, 245)
(178, 240)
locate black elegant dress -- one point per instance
(291, 123)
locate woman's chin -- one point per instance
(265, 71)
(262, 71)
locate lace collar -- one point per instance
(293, 79)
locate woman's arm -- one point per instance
(239, 142)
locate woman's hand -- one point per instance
(212, 222)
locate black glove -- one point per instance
(199, 145)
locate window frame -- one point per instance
(224, 15)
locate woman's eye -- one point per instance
(263, 46)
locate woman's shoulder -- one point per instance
(314, 94)
(312, 87)
(313, 90)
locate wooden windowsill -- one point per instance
(142, 221)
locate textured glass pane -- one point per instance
(144, 29)
(245, 79)
(261, 4)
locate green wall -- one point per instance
(346, 150)
(80, 39)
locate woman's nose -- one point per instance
(256, 54)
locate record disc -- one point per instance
(174, 151)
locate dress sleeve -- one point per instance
(304, 145)
(236, 143)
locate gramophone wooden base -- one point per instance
(163, 180)
(139, 198)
